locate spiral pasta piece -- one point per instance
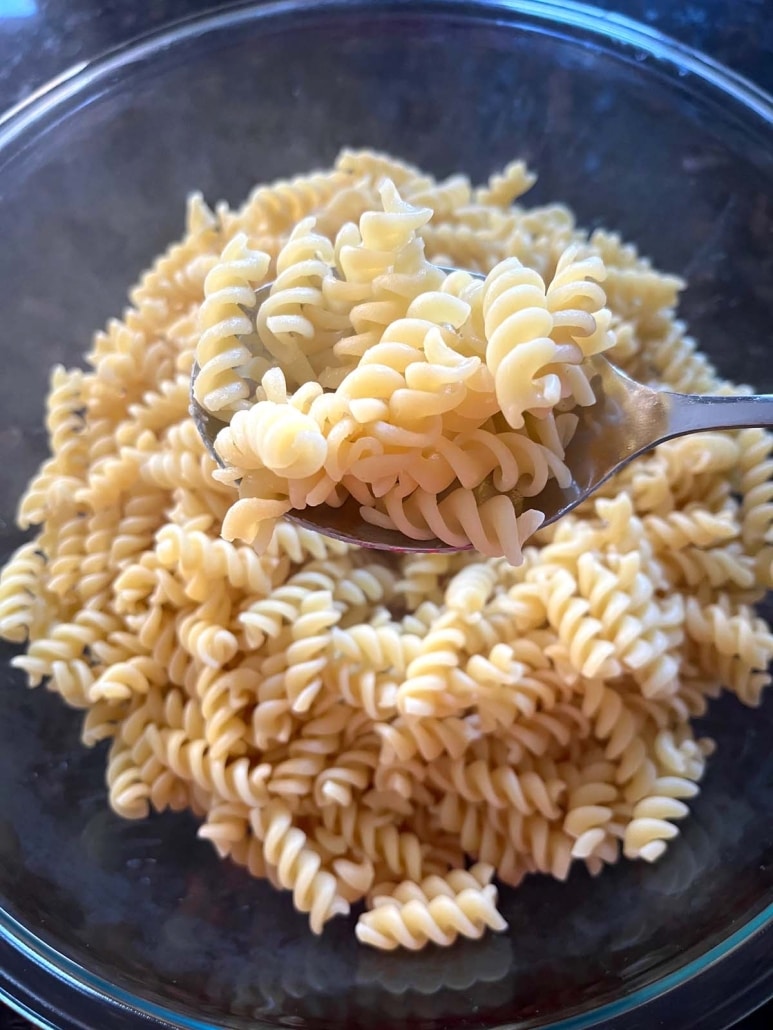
(19, 584)
(519, 346)
(437, 910)
(293, 322)
(228, 289)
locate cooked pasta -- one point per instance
(439, 909)
(393, 731)
(435, 385)
(221, 350)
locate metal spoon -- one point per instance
(627, 420)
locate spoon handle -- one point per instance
(692, 413)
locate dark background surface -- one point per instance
(40, 39)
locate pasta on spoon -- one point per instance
(448, 401)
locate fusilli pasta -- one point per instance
(355, 727)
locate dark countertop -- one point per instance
(40, 39)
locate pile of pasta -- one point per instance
(439, 402)
(361, 727)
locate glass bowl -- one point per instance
(114, 924)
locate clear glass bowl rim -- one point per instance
(614, 31)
